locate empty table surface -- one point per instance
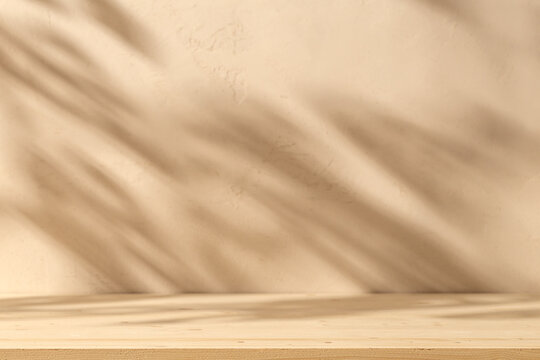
(271, 326)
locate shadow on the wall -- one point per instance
(92, 216)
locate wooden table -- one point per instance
(271, 326)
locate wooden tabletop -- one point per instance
(270, 326)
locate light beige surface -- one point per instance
(268, 326)
(230, 145)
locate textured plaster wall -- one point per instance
(237, 145)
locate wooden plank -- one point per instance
(271, 354)
(271, 326)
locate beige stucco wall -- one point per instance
(238, 145)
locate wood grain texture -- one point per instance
(271, 326)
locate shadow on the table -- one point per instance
(168, 309)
